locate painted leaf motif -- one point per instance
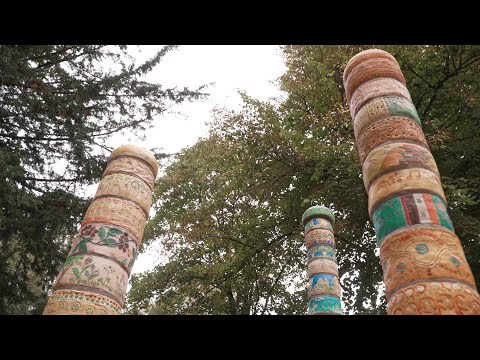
(130, 264)
(114, 232)
(76, 272)
(72, 259)
(82, 246)
(93, 275)
(102, 233)
(110, 242)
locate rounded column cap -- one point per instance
(363, 56)
(138, 152)
(318, 211)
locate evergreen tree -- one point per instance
(59, 104)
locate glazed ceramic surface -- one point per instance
(376, 88)
(318, 223)
(326, 266)
(391, 157)
(69, 302)
(118, 212)
(324, 284)
(325, 305)
(371, 69)
(393, 129)
(94, 277)
(365, 56)
(133, 167)
(126, 187)
(319, 236)
(318, 212)
(424, 266)
(422, 253)
(407, 210)
(435, 298)
(324, 290)
(381, 108)
(108, 241)
(405, 181)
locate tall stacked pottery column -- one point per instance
(424, 266)
(324, 291)
(95, 275)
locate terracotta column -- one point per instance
(95, 275)
(324, 291)
(424, 266)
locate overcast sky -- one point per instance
(252, 69)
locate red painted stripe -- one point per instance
(432, 212)
(405, 210)
(412, 206)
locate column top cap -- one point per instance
(138, 152)
(363, 56)
(318, 211)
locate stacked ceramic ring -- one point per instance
(95, 275)
(425, 270)
(324, 291)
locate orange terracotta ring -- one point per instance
(319, 236)
(136, 152)
(395, 128)
(371, 69)
(396, 156)
(435, 298)
(403, 182)
(118, 212)
(133, 167)
(95, 274)
(126, 187)
(70, 302)
(376, 88)
(422, 253)
(382, 108)
(322, 266)
(364, 56)
(111, 242)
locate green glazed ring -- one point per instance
(318, 211)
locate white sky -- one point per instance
(253, 69)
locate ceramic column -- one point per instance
(324, 291)
(95, 275)
(424, 266)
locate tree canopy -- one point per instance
(59, 106)
(229, 207)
